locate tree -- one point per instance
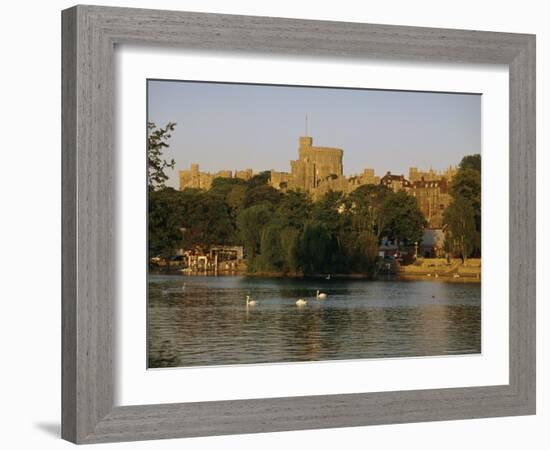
(157, 141)
(466, 185)
(366, 205)
(294, 209)
(206, 219)
(290, 241)
(461, 232)
(315, 248)
(235, 199)
(259, 179)
(250, 222)
(331, 211)
(471, 162)
(404, 222)
(223, 186)
(271, 256)
(164, 222)
(262, 194)
(358, 254)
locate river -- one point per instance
(200, 321)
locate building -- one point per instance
(314, 165)
(319, 170)
(432, 244)
(432, 198)
(395, 183)
(218, 258)
(431, 175)
(194, 178)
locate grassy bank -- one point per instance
(440, 268)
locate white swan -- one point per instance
(301, 302)
(321, 295)
(249, 301)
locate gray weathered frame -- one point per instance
(89, 34)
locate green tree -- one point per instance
(290, 242)
(235, 199)
(271, 256)
(461, 232)
(331, 211)
(259, 179)
(360, 252)
(471, 162)
(164, 222)
(404, 222)
(466, 185)
(314, 248)
(294, 209)
(223, 186)
(157, 142)
(366, 204)
(206, 220)
(262, 194)
(250, 222)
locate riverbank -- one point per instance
(423, 270)
(442, 269)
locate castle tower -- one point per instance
(306, 141)
(195, 176)
(315, 164)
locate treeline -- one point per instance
(288, 232)
(462, 218)
(285, 232)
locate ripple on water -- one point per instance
(208, 323)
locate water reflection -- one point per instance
(206, 320)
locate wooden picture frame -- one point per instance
(89, 35)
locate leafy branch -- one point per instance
(157, 141)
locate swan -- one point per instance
(249, 301)
(321, 295)
(301, 302)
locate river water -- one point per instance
(199, 321)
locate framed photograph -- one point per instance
(278, 224)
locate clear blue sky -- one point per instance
(238, 126)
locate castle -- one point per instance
(195, 179)
(319, 170)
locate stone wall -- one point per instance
(431, 175)
(194, 178)
(319, 170)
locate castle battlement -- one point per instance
(319, 170)
(195, 179)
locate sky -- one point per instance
(240, 126)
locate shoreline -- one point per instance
(399, 276)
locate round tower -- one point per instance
(306, 141)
